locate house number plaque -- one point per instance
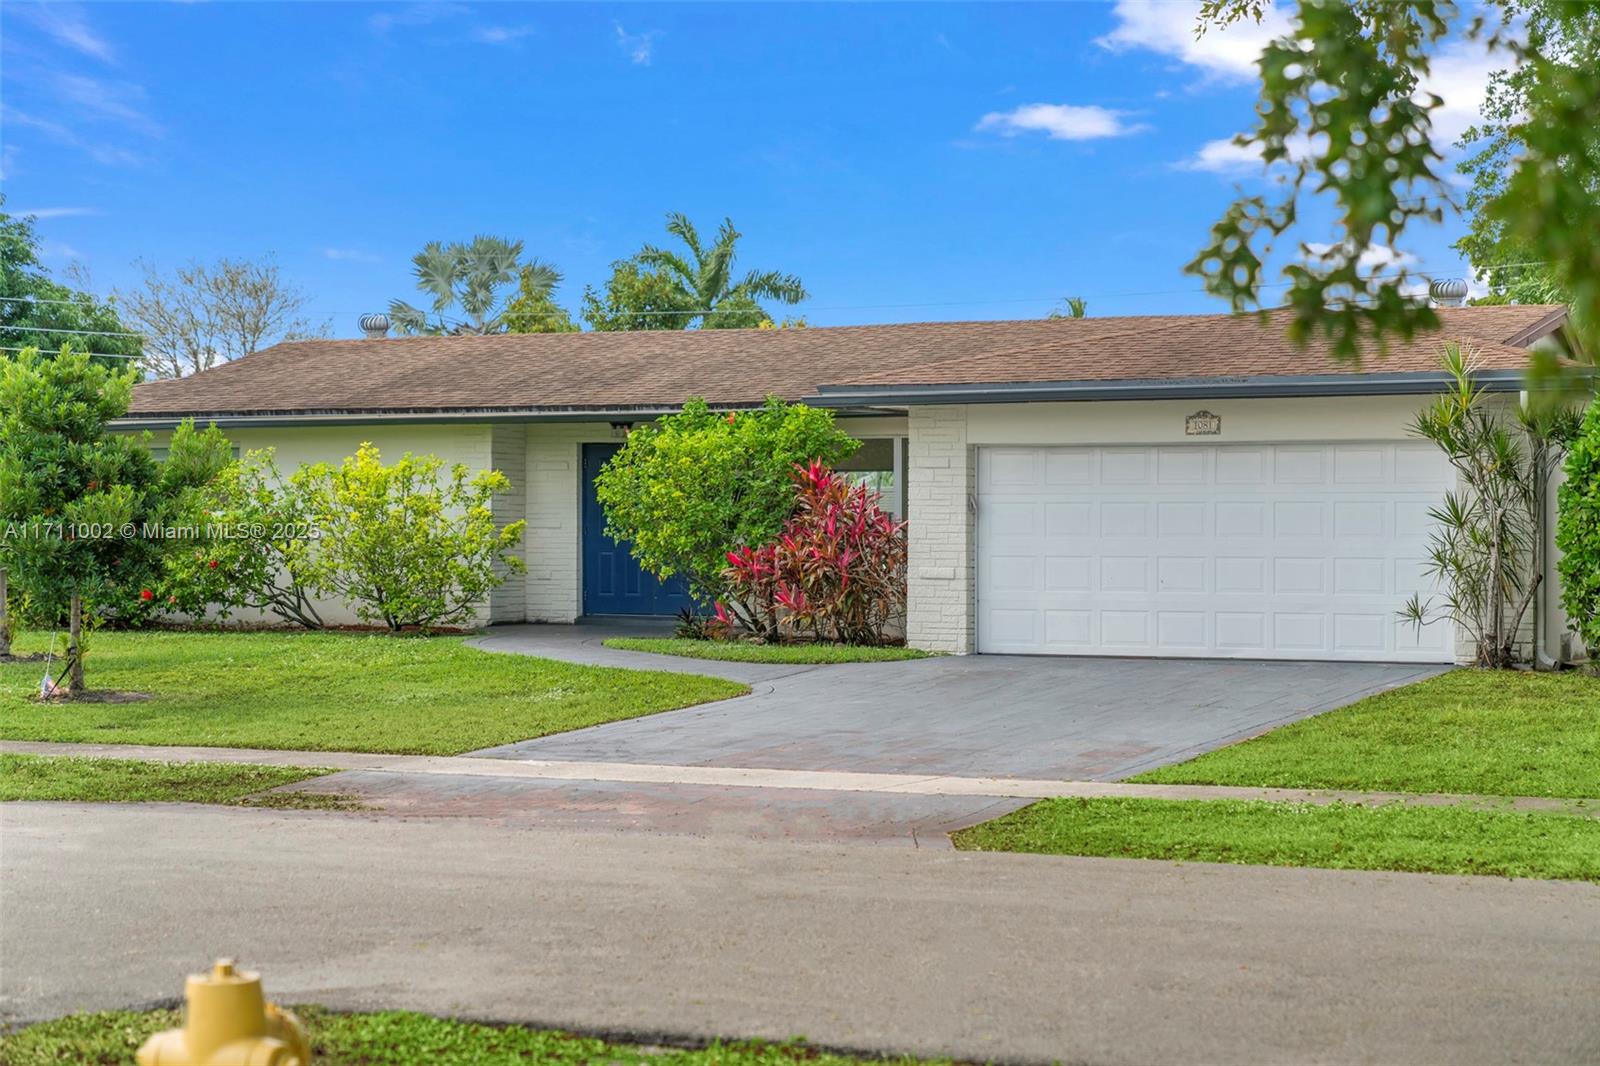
(1202, 424)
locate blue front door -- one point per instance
(612, 580)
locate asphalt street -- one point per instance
(987, 957)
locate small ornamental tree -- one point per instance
(837, 571)
(695, 485)
(1578, 532)
(76, 499)
(409, 544)
(1485, 547)
(257, 552)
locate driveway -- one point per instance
(973, 716)
(976, 715)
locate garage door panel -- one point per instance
(1292, 551)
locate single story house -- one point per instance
(1177, 485)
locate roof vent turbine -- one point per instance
(1448, 292)
(376, 327)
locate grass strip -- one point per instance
(397, 1038)
(1395, 836)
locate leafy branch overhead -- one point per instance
(1343, 115)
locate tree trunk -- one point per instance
(5, 616)
(75, 646)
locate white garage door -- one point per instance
(1240, 551)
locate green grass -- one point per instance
(1494, 733)
(736, 651)
(394, 1039)
(332, 692)
(1395, 836)
(43, 777)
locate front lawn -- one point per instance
(1496, 733)
(397, 1038)
(738, 651)
(332, 692)
(40, 777)
(1446, 840)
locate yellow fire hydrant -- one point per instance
(227, 1022)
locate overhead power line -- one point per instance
(95, 355)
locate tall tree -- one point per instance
(75, 496)
(38, 312)
(201, 316)
(1070, 307)
(472, 278)
(1566, 35)
(1342, 113)
(534, 308)
(661, 288)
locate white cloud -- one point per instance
(110, 101)
(1060, 122)
(638, 47)
(96, 149)
(500, 34)
(67, 24)
(55, 212)
(414, 15)
(1378, 258)
(351, 255)
(1224, 156)
(1168, 28)
(1460, 77)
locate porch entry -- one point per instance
(613, 582)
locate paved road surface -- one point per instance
(1005, 957)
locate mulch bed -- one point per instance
(101, 696)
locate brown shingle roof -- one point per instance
(659, 370)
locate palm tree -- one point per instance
(471, 276)
(705, 278)
(1071, 307)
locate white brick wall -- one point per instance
(508, 453)
(940, 481)
(554, 539)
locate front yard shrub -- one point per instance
(1578, 532)
(696, 484)
(1485, 549)
(258, 552)
(410, 544)
(837, 572)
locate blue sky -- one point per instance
(909, 162)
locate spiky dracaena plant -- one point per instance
(1485, 549)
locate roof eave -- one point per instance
(1258, 387)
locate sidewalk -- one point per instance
(757, 778)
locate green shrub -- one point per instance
(258, 550)
(1578, 531)
(408, 544)
(694, 485)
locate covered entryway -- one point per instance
(613, 583)
(1255, 551)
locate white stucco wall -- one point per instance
(941, 473)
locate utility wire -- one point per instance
(96, 355)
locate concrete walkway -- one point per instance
(758, 778)
(985, 957)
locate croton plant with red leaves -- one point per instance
(837, 571)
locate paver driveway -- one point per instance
(976, 716)
(979, 716)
